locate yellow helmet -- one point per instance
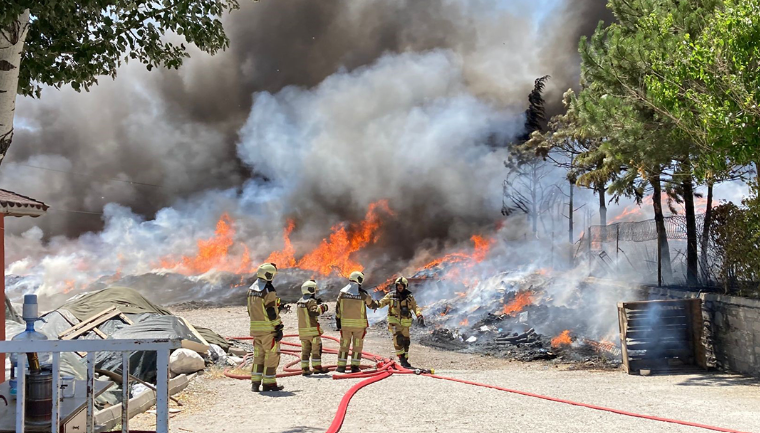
(309, 287)
(403, 281)
(267, 271)
(356, 277)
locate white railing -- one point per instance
(162, 347)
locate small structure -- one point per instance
(15, 205)
(661, 336)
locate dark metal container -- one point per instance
(39, 397)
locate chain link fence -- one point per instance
(629, 249)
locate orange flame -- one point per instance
(333, 254)
(212, 253)
(385, 287)
(522, 300)
(464, 322)
(481, 248)
(286, 257)
(446, 310)
(69, 285)
(562, 339)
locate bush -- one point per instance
(736, 239)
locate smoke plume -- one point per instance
(315, 111)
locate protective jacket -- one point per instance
(308, 314)
(351, 308)
(263, 308)
(400, 307)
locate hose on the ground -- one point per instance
(385, 367)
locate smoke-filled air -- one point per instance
(331, 136)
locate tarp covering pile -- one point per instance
(150, 321)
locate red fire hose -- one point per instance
(385, 368)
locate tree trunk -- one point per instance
(602, 205)
(11, 47)
(704, 242)
(662, 235)
(692, 257)
(534, 195)
(570, 229)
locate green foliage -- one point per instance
(736, 238)
(710, 81)
(75, 41)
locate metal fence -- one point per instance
(632, 247)
(162, 347)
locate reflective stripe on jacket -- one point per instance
(352, 309)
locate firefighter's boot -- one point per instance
(341, 369)
(404, 362)
(255, 386)
(355, 369)
(305, 372)
(271, 387)
(321, 370)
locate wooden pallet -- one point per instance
(661, 336)
(92, 324)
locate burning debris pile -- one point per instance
(517, 316)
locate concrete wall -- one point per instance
(732, 328)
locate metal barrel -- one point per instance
(39, 397)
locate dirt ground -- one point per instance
(214, 403)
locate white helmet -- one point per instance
(356, 277)
(309, 288)
(267, 271)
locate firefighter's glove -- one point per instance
(420, 320)
(319, 301)
(278, 335)
(337, 323)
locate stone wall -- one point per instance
(732, 328)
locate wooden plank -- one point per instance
(645, 305)
(125, 319)
(91, 325)
(84, 323)
(202, 347)
(623, 338)
(700, 351)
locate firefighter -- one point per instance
(351, 321)
(266, 329)
(401, 305)
(309, 309)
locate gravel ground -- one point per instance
(419, 404)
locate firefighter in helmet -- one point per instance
(401, 305)
(351, 320)
(266, 329)
(309, 309)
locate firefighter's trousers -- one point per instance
(401, 340)
(311, 346)
(266, 358)
(351, 338)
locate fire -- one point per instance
(285, 258)
(522, 300)
(446, 310)
(212, 253)
(562, 339)
(481, 249)
(69, 285)
(385, 287)
(464, 322)
(333, 253)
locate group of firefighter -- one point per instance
(350, 319)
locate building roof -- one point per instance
(12, 204)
